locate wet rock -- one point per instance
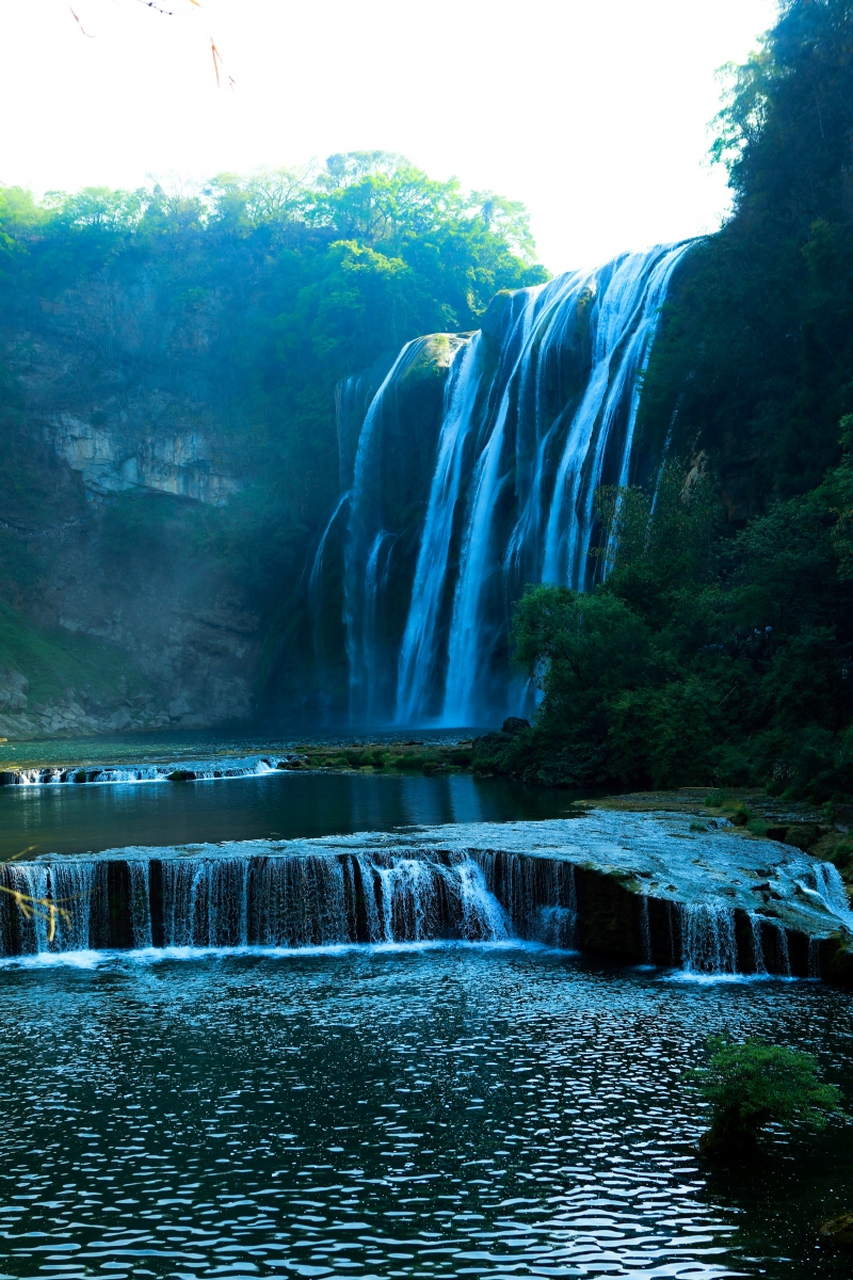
(838, 1231)
(802, 835)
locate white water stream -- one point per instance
(539, 412)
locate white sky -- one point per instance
(592, 112)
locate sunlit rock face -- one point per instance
(123, 374)
(638, 888)
(126, 392)
(115, 459)
(469, 469)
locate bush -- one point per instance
(754, 1084)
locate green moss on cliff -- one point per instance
(58, 665)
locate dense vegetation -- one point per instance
(719, 647)
(339, 265)
(752, 1085)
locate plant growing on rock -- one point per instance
(754, 1084)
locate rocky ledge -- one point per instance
(653, 888)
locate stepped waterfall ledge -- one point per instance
(612, 884)
(471, 472)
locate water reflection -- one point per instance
(76, 819)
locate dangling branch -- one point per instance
(217, 63)
(40, 908)
(80, 25)
(48, 909)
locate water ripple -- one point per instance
(415, 1112)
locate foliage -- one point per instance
(752, 1085)
(699, 658)
(722, 626)
(268, 289)
(344, 264)
(755, 349)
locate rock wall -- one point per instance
(123, 473)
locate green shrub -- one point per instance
(757, 826)
(754, 1084)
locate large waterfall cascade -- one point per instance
(538, 412)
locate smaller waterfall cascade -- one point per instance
(538, 411)
(116, 774)
(709, 943)
(757, 944)
(369, 891)
(830, 888)
(291, 901)
(268, 901)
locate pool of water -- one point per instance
(445, 1111)
(79, 819)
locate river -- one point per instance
(445, 1109)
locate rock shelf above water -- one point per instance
(636, 887)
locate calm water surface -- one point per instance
(77, 819)
(442, 1112)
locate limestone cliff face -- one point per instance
(125, 430)
(112, 459)
(129, 380)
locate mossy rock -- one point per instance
(838, 1231)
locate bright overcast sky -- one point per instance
(592, 112)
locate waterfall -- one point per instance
(317, 896)
(709, 945)
(418, 653)
(646, 932)
(830, 889)
(364, 540)
(538, 411)
(539, 896)
(175, 770)
(757, 945)
(782, 952)
(290, 901)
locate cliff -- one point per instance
(128, 605)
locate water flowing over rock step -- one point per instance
(174, 771)
(638, 888)
(501, 438)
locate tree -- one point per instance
(754, 1084)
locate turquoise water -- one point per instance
(438, 1110)
(90, 818)
(446, 1111)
